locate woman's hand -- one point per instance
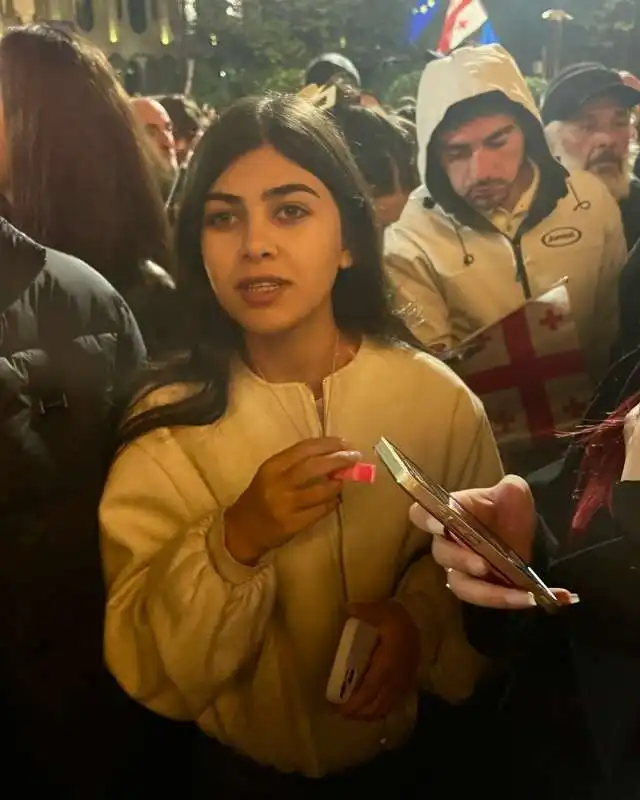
(290, 492)
(391, 675)
(508, 510)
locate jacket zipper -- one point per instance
(521, 269)
(324, 425)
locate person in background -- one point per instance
(158, 126)
(329, 67)
(630, 278)
(586, 111)
(406, 109)
(69, 351)
(158, 129)
(569, 714)
(568, 723)
(189, 123)
(382, 149)
(74, 171)
(187, 120)
(629, 79)
(498, 220)
(226, 522)
(629, 294)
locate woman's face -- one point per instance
(272, 243)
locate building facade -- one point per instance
(144, 39)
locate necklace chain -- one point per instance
(325, 405)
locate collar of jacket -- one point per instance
(21, 259)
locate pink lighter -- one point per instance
(359, 473)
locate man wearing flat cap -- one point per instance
(586, 111)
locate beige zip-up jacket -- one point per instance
(456, 273)
(246, 652)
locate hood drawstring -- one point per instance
(581, 205)
(469, 258)
(429, 203)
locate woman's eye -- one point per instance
(291, 212)
(219, 219)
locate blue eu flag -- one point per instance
(488, 34)
(421, 16)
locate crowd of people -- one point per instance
(206, 321)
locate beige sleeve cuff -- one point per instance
(225, 565)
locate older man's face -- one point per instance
(597, 139)
(158, 127)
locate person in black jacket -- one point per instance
(629, 299)
(77, 172)
(69, 347)
(568, 720)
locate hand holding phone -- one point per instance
(353, 656)
(467, 529)
(506, 507)
(387, 660)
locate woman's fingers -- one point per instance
(487, 595)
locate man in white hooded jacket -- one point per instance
(498, 220)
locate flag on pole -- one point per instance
(529, 371)
(421, 17)
(465, 18)
(488, 34)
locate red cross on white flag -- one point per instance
(529, 371)
(463, 19)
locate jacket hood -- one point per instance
(465, 75)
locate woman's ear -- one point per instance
(346, 260)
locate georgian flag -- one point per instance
(529, 371)
(464, 18)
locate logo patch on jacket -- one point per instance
(561, 237)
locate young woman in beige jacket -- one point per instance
(233, 551)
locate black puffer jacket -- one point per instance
(68, 347)
(629, 298)
(150, 292)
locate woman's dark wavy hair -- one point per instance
(81, 180)
(382, 148)
(361, 296)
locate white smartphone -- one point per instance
(353, 656)
(463, 527)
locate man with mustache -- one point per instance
(498, 220)
(587, 115)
